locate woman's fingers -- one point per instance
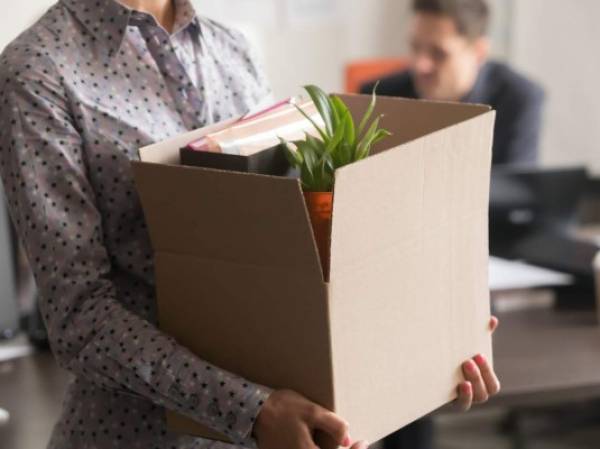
(481, 380)
(473, 375)
(333, 425)
(493, 324)
(489, 376)
(465, 396)
(306, 440)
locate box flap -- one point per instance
(410, 119)
(266, 324)
(243, 218)
(409, 262)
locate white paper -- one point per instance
(513, 275)
(10, 352)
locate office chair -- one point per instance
(362, 71)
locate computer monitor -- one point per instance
(547, 198)
(528, 200)
(533, 213)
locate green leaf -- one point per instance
(370, 139)
(332, 146)
(372, 129)
(307, 174)
(320, 130)
(323, 105)
(336, 115)
(317, 145)
(324, 181)
(294, 157)
(340, 142)
(370, 109)
(326, 168)
(308, 156)
(345, 117)
(306, 177)
(349, 130)
(380, 135)
(345, 132)
(346, 151)
(339, 110)
(363, 150)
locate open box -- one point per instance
(239, 281)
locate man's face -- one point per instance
(445, 63)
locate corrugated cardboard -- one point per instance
(240, 283)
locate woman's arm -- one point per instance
(54, 210)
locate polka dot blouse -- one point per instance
(80, 92)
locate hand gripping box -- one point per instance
(381, 342)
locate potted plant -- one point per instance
(340, 142)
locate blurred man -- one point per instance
(449, 62)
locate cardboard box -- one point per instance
(240, 284)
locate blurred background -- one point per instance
(302, 41)
(548, 347)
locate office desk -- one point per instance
(547, 356)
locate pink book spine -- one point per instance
(205, 144)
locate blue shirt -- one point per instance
(517, 100)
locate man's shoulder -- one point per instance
(398, 84)
(505, 81)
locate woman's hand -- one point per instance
(480, 382)
(288, 420)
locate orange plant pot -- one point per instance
(320, 210)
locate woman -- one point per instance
(81, 91)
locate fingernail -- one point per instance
(480, 359)
(466, 388)
(470, 366)
(347, 441)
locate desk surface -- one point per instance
(556, 353)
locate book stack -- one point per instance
(253, 143)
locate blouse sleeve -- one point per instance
(91, 332)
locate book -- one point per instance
(262, 130)
(253, 143)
